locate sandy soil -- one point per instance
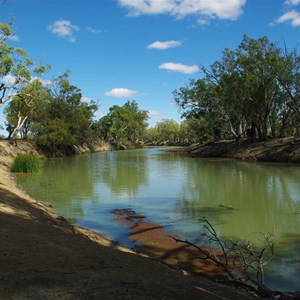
(44, 257)
(285, 150)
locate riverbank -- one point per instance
(45, 257)
(283, 150)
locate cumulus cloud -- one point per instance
(292, 2)
(154, 112)
(203, 22)
(98, 114)
(43, 81)
(179, 68)
(164, 45)
(292, 17)
(64, 29)
(85, 99)
(8, 79)
(221, 9)
(93, 30)
(149, 7)
(121, 93)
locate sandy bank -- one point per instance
(286, 150)
(44, 257)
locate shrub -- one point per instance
(26, 163)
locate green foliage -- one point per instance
(23, 93)
(24, 107)
(5, 30)
(123, 124)
(167, 131)
(252, 90)
(62, 119)
(193, 130)
(12, 60)
(26, 163)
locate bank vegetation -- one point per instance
(250, 94)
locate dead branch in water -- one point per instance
(241, 262)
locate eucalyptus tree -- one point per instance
(168, 131)
(123, 124)
(251, 90)
(259, 62)
(200, 100)
(24, 107)
(21, 81)
(194, 130)
(151, 136)
(289, 82)
(17, 70)
(64, 120)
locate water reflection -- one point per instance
(122, 172)
(247, 198)
(64, 183)
(242, 200)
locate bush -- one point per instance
(26, 163)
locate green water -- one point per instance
(242, 200)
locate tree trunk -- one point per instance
(252, 134)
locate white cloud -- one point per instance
(149, 7)
(179, 68)
(86, 99)
(64, 29)
(292, 17)
(43, 81)
(154, 112)
(94, 30)
(203, 22)
(222, 9)
(292, 2)
(121, 93)
(164, 45)
(98, 114)
(8, 79)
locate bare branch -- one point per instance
(243, 258)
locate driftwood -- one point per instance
(243, 264)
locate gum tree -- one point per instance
(250, 91)
(17, 74)
(64, 119)
(123, 124)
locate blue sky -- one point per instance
(119, 50)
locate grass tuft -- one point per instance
(26, 163)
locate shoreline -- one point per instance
(277, 150)
(8, 184)
(46, 257)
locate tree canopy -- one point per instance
(64, 119)
(17, 70)
(251, 91)
(123, 124)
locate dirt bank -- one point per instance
(44, 257)
(274, 150)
